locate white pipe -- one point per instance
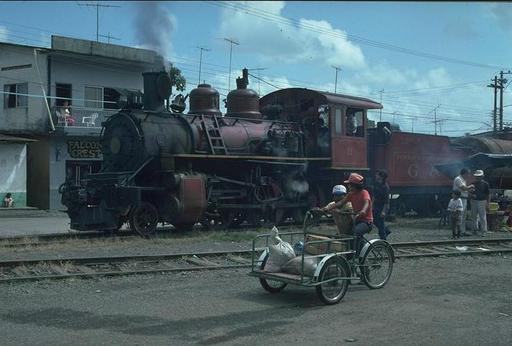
(44, 93)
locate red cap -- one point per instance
(354, 179)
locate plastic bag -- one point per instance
(279, 253)
(294, 266)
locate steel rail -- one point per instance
(33, 269)
(124, 235)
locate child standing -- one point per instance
(455, 208)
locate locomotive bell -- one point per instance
(204, 100)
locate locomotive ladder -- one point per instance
(214, 136)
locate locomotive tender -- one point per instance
(263, 161)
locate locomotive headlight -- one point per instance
(115, 145)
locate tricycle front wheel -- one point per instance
(271, 286)
(332, 290)
(377, 265)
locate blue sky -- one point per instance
(298, 43)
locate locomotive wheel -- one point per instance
(184, 227)
(273, 217)
(144, 219)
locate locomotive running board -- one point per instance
(240, 157)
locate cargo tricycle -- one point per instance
(329, 264)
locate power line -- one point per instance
(259, 69)
(298, 23)
(264, 81)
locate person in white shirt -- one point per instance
(455, 209)
(459, 184)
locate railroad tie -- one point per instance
(238, 259)
(200, 261)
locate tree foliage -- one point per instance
(177, 79)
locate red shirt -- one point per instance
(357, 199)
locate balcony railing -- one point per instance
(81, 117)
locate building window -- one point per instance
(15, 95)
(63, 92)
(338, 121)
(110, 98)
(93, 97)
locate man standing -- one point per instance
(481, 197)
(459, 184)
(381, 203)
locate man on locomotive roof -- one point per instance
(362, 204)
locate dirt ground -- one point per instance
(436, 301)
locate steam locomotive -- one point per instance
(264, 161)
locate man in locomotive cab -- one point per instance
(351, 123)
(362, 205)
(323, 130)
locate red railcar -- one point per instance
(410, 160)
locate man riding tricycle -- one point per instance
(327, 260)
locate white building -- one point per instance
(91, 76)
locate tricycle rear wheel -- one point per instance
(271, 286)
(332, 292)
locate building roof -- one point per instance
(61, 45)
(106, 50)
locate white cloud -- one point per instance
(501, 13)
(4, 33)
(276, 41)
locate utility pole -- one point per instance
(98, 5)
(201, 60)
(108, 37)
(337, 68)
(380, 115)
(395, 113)
(435, 118)
(259, 78)
(501, 87)
(494, 113)
(232, 42)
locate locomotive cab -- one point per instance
(334, 125)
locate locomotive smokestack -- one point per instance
(157, 88)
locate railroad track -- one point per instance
(59, 268)
(36, 240)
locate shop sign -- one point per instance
(81, 149)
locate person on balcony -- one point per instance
(65, 112)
